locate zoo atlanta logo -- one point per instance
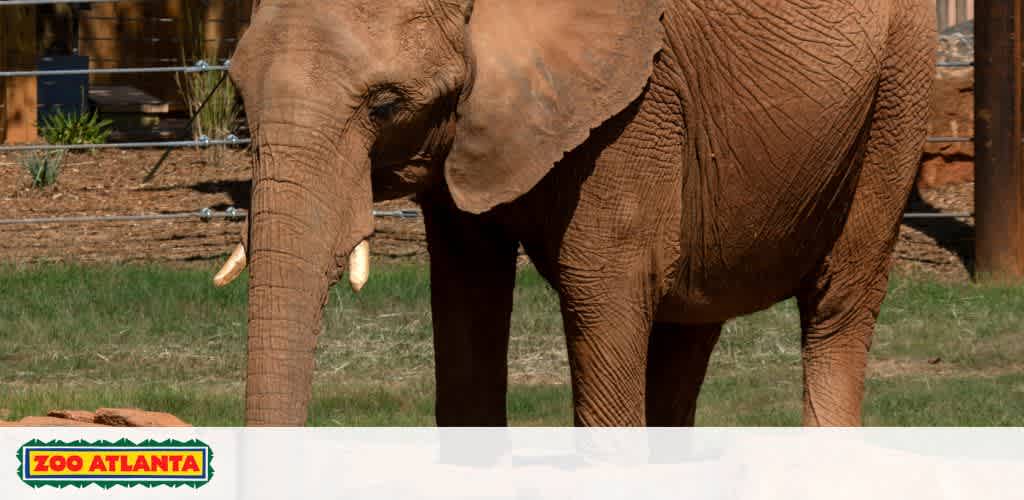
(120, 463)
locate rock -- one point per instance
(952, 113)
(938, 171)
(52, 422)
(104, 417)
(134, 417)
(77, 415)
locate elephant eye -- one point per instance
(383, 112)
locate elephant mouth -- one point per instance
(398, 179)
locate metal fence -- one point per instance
(953, 12)
(959, 7)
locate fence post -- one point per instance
(18, 31)
(999, 179)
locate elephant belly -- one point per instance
(742, 250)
(776, 137)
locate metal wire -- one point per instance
(949, 139)
(231, 140)
(939, 215)
(202, 142)
(232, 213)
(199, 67)
(90, 17)
(53, 2)
(204, 215)
(401, 214)
(237, 141)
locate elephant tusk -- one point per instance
(359, 266)
(232, 268)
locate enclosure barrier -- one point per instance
(204, 215)
(56, 2)
(202, 142)
(199, 67)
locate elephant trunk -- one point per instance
(284, 319)
(311, 205)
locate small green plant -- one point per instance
(75, 128)
(43, 166)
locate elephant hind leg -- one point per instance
(841, 299)
(838, 321)
(677, 361)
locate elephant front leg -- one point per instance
(472, 276)
(607, 334)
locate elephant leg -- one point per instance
(838, 321)
(677, 360)
(841, 299)
(472, 276)
(607, 337)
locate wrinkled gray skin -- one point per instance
(668, 165)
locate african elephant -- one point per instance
(666, 164)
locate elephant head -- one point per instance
(352, 101)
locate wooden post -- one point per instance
(18, 28)
(3, 81)
(999, 178)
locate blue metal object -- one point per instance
(67, 93)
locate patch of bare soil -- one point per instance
(109, 182)
(935, 367)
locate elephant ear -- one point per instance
(546, 72)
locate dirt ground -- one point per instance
(109, 182)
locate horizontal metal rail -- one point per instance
(231, 140)
(955, 64)
(90, 17)
(54, 2)
(232, 213)
(202, 142)
(153, 39)
(204, 215)
(949, 139)
(939, 215)
(198, 67)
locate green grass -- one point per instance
(84, 337)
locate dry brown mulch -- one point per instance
(109, 182)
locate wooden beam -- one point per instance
(18, 25)
(999, 178)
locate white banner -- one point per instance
(529, 463)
